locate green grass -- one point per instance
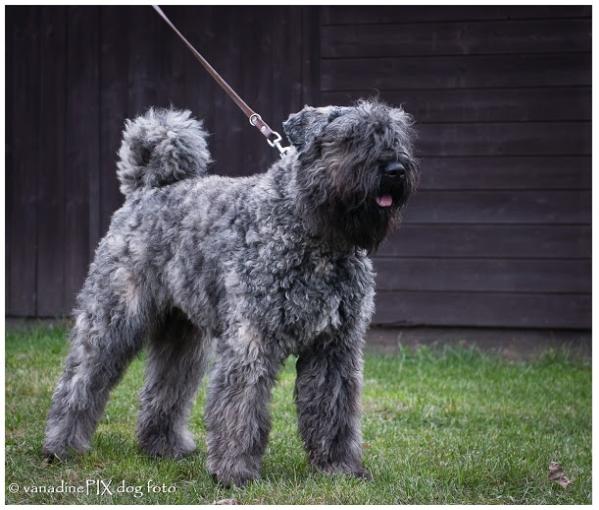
(440, 426)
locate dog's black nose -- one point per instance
(395, 169)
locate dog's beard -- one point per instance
(358, 223)
(364, 226)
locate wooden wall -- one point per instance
(499, 233)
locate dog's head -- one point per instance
(356, 169)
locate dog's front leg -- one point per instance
(327, 394)
(236, 416)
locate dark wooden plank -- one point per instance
(514, 207)
(338, 15)
(114, 92)
(559, 69)
(92, 20)
(286, 68)
(179, 67)
(230, 125)
(490, 275)
(530, 172)
(210, 31)
(189, 86)
(146, 79)
(261, 78)
(22, 243)
(50, 208)
(504, 139)
(310, 55)
(522, 241)
(482, 105)
(478, 309)
(387, 40)
(82, 225)
(10, 24)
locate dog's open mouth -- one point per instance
(391, 192)
(385, 200)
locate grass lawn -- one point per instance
(440, 426)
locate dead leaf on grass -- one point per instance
(557, 475)
(226, 502)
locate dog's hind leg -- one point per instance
(102, 345)
(175, 366)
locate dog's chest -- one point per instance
(312, 298)
(294, 299)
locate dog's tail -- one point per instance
(161, 147)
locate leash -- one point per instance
(272, 137)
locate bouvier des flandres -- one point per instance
(252, 269)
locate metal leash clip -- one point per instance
(276, 141)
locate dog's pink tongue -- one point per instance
(384, 200)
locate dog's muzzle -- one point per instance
(393, 183)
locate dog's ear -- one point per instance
(303, 127)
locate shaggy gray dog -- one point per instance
(255, 269)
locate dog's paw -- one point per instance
(357, 471)
(173, 447)
(229, 481)
(50, 457)
(56, 452)
(362, 473)
(234, 478)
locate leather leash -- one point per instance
(272, 137)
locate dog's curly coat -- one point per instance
(258, 267)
